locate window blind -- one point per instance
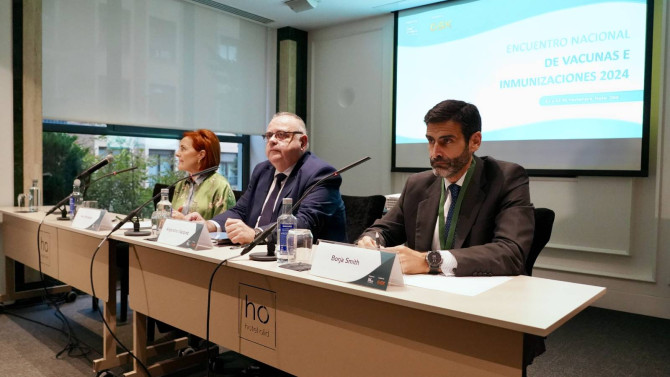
(154, 63)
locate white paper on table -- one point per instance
(467, 286)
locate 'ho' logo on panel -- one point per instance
(257, 315)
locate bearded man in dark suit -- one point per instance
(470, 216)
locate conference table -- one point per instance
(311, 326)
(65, 255)
(297, 322)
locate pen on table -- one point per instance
(377, 240)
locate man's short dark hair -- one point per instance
(463, 113)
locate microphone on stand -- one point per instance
(266, 232)
(113, 173)
(85, 188)
(63, 202)
(67, 198)
(85, 174)
(137, 210)
(95, 167)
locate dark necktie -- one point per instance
(269, 207)
(454, 189)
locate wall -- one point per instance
(349, 96)
(612, 232)
(6, 117)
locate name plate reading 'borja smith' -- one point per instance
(351, 264)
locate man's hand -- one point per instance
(367, 242)
(239, 232)
(411, 261)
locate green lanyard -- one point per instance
(449, 242)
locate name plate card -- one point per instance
(92, 219)
(351, 264)
(185, 234)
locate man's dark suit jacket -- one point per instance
(322, 211)
(495, 224)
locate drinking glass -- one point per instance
(155, 223)
(299, 245)
(90, 204)
(22, 202)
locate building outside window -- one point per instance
(163, 161)
(229, 167)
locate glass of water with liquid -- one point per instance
(299, 245)
(156, 219)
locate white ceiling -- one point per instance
(326, 12)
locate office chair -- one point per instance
(361, 212)
(533, 345)
(544, 222)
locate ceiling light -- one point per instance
(301, 5)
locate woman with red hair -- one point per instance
(208, 194)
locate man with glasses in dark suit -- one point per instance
(289, 171)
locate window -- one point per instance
(163, 162)
(69, 148)
(229, 168)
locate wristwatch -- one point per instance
(434, 260)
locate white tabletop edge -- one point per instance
(463, 307)
(405, 296)
(51, 220)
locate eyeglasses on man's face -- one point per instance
(280, 135)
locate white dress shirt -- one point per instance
(449, 262)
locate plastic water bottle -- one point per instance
(164, 208)
(285, 222)
(76, 199)
(34, 197)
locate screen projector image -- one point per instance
(561, 86)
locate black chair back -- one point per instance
(544, 222)
(533, 345)
(361, 212)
